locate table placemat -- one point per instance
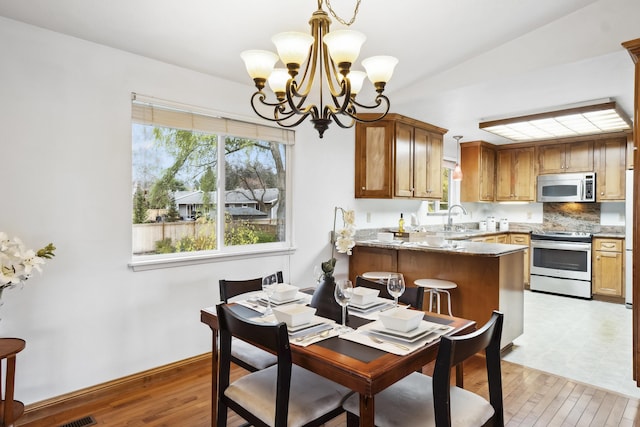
(439, 320)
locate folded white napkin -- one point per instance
(306, 341)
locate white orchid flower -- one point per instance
(17, 263)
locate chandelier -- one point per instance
(327, 56)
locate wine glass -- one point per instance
(268, 287)
(395, 286)
(343, 293)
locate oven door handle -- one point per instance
(550, 244)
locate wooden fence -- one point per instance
(145, 236)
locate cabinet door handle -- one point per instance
(364, 188)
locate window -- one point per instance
(194, 174)
(450, 192)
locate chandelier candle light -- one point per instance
(331, 55)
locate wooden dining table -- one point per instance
(363, 369)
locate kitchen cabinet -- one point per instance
(523, 239)
(608, 267)
(398, 157)
(495, 238)
(610, 162)
(478, 162)
(515, 179)
(564, 158)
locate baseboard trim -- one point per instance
(105, 391)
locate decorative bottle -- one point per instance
(401, 224)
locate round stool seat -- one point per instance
(377, 275)
(435, 284)
(435, 287)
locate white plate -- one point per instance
(315, 321)
(297, 298)
(378, 301)
(416, 334)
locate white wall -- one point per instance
(66, 179)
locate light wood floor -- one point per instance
(531, 398)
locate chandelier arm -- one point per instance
(319, 26)
(291, 93)
(331, 72)
(351, 112)
(279, 111)
(336, 119)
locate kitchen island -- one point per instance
(489, 275)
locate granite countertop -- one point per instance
(456, 247)
(610, 234)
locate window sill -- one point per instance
(153, 262)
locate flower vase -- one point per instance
(324, 301)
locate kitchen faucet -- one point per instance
(449, 219)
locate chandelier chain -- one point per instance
(340, 20)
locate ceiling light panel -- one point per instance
(584, 120)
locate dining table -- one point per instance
(365, 369)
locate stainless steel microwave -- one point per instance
(567, 187)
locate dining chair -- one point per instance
(420, 400)
(244, 354)
(278, 396)
(232, 288)
(413, 296)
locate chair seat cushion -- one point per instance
(252, 355)
(311, 395)
(409, 402)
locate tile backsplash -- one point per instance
(571, 216)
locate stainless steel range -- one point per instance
(561, 263)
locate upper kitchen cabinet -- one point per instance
(478, 161)
(374, 156)
(515, 176)
(398, 157)
(610, 158)
(569, 157)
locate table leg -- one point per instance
(214, 377)
(460, 375)
(367, 411)
(8, 397)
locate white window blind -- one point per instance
(152, 111)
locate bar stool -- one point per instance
(377, 275)
(435, 287)
(10, 409)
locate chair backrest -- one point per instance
(268, 336)
(411, 295)
(454, 350)
(231, 288)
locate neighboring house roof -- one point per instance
(192, 197)
(245, 211)
(241, 195)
